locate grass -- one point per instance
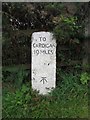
(68, 100)
(21, 103)
(61, 109)
(14, 68)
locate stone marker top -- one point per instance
(43, 34)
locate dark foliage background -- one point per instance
(65, 20)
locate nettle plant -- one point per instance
(85, 77)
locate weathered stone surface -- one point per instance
(43, 62)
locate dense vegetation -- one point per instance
(21, 19)
(67, 22)
(69, 99)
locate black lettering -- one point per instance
(40, 38)
(34, 45)
(37, 52)
(44, 39)
(51, 51)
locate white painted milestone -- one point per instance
(43, 62)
